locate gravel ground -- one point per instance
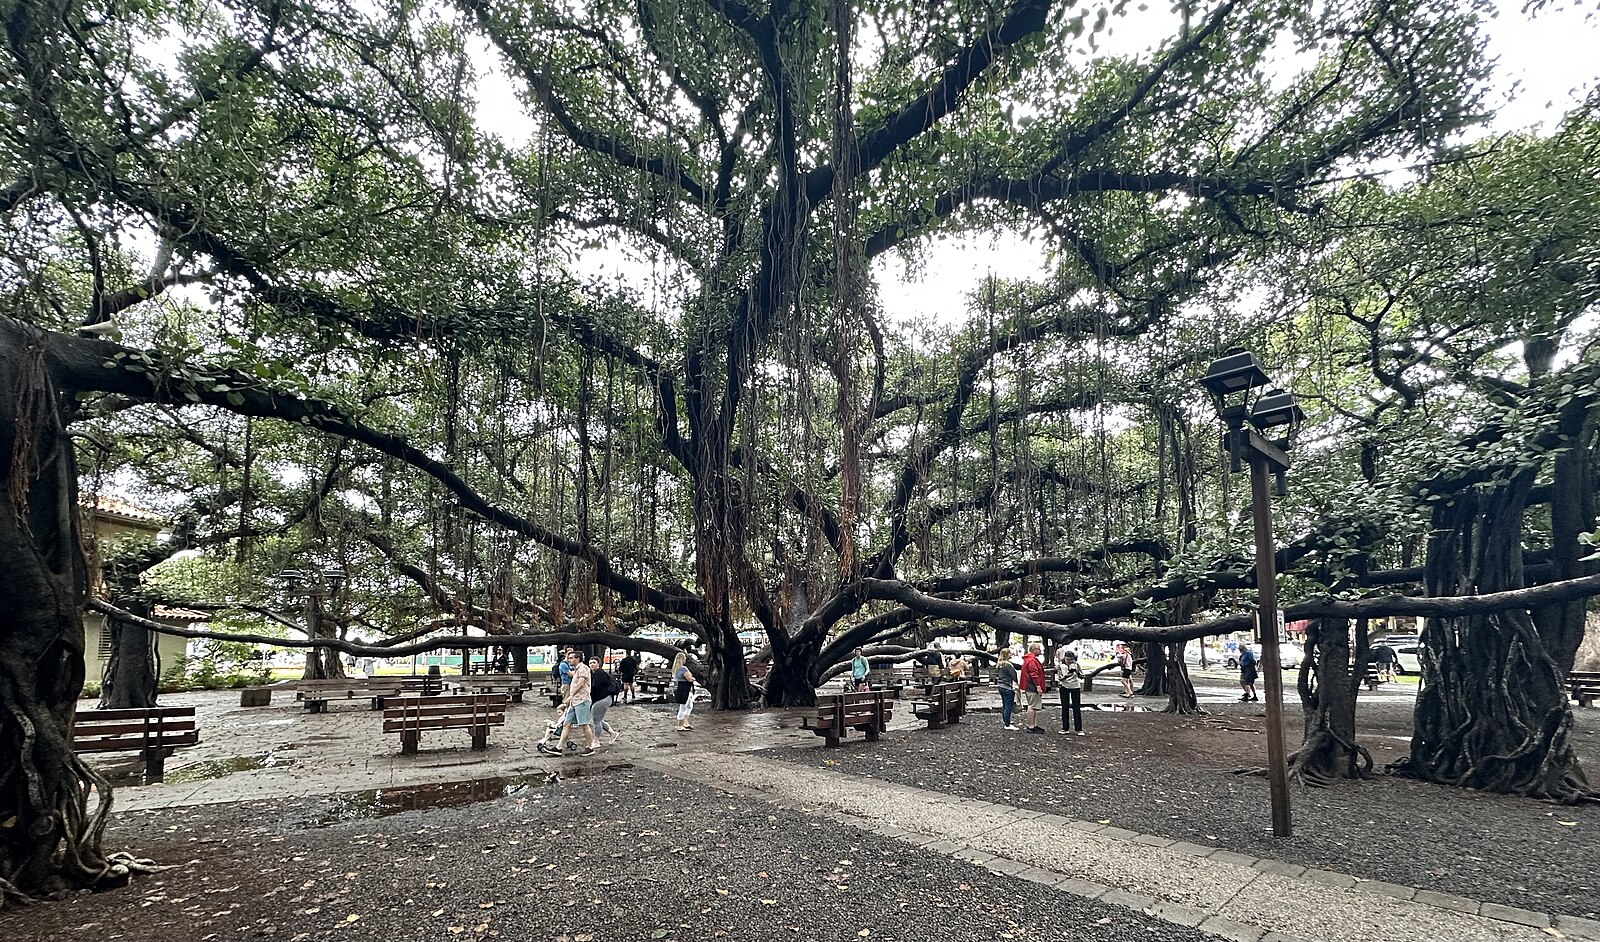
(1173, 777)
(628, 854)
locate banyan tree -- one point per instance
(328, 241)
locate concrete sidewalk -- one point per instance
(1231, 895)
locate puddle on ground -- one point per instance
(216, 768)
(1119, 708)
(382, 802)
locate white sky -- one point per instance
(1544, 65)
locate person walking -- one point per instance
(627, 670)
(683, 681)
(1386, 658)
(1247, 673)
(1005, 679)
(1069, 680)
(564, 667)
(858, 670)
(1033, 686)
(1125, 663)
(579, 708)
(603, 693)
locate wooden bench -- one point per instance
(891, 680)
(409, 716)
(943, 704)
(153, 732)
(1585, 686)
(511, 685)
(868, 711)
(316, 694)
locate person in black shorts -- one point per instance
(626, 669)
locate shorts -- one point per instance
(1033, 699)
(580, 713)
(1127, 672)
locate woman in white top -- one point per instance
(1069, 680)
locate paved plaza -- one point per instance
(281, 760)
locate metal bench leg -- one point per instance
(155, 766)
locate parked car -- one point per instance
(1410, 658)
(1215, 658)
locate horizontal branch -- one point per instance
(1440, 606)
(358, 649)
(84, 364)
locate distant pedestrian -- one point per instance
(1033, 686)
(627, 670)
(603, 693)
(683, 681)
(1247, 673)
(1069, 679)
(858, 670)
(1005, 679)
(1386, 658)
(1125, 664)
(957, 668)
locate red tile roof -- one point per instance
(115, 509)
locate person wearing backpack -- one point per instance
(1125, 664)
(1069, 680)
(1247, 673)
(602, 693)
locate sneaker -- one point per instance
(1010, 727)
(547, 750)
(1063, 732)
(588, 752)
(1080, 732)
(1036, 729)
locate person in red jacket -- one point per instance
(1033, 686)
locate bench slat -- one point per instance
(135, 713)
(443, 722)
(89, 730)
(130, 743)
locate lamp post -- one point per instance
(315, 585)
(1232, 382)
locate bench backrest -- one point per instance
(445, 712)
(950, 697)
(857, 707)
(358, 686)
(521, 680)
(144, 728)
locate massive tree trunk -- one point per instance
(1328, 695)
(49, 840)
(1155, 667)
(1181, 698)
(131, 676)
(324, 663)
(795, 671)
(1492, 712)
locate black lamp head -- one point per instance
(1235, 372)
(1276, 408)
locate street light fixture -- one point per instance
(1232, 381)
